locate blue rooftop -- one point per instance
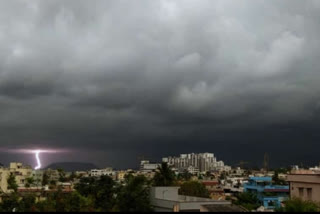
(268, 179)
(269, 195)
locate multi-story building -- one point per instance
(271, 196)
(201, 162)
(37, 177)
(53, 175)
(121, 175)
(20, 171)
(82, 173)
(4, 174)
(100, 172)
(146, 166)
(305, 184)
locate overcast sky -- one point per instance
(114, 80)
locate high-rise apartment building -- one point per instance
(202, 162)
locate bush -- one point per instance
(194, 188)
(248, 201)
(297, 205)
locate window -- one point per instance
(309, 193)
(300, 192)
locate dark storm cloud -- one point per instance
(161, 77)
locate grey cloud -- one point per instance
(136, 77)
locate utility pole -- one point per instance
(266, 162)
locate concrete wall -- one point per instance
(161, 205)
(4, 174)
(166, 193)
(303, 183)
(21, 174)
(197, 205)
(167, 199)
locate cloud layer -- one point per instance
(161, 77)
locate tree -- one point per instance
(48, 205)
(297, 205)
(101, 190)
(29, 182)
(70, 202)
(86, 186)
(194, 188)
(10, 203)
(27, 204)
(53, 184)
(45, 179)
(104, 197)
(222, 176)
(72, 176)
(134, 195)
(62, 175)
(248, 200)
(79, 203)
(12, 184)
(185, 175)
(277, 180)
(164, 176)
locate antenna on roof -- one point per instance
(266, 162)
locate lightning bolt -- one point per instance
(37, 152)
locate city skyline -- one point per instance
(110, 81)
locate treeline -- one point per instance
(101, 194)
(90, 195)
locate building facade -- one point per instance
(167, 199)
(305, 185)
(201, 162)
(20, 171)
(271, 196)
(146, 166)
(100, 172)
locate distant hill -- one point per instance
(72, 166)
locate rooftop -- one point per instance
(264, 179)
(223, 208)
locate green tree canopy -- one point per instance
(12, 184)
(10, 203)
(45, 179)
(134, 195)
(101, 190)
(248, 201)
(27, 204)
(194, 188)
(297, 205)
(29, 182)
(62, 175)
(185, 175)
(164, 176)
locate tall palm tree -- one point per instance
(164, 176)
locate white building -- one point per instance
(167, 199)
(202, 161)
(146, 166)
(100, 172)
